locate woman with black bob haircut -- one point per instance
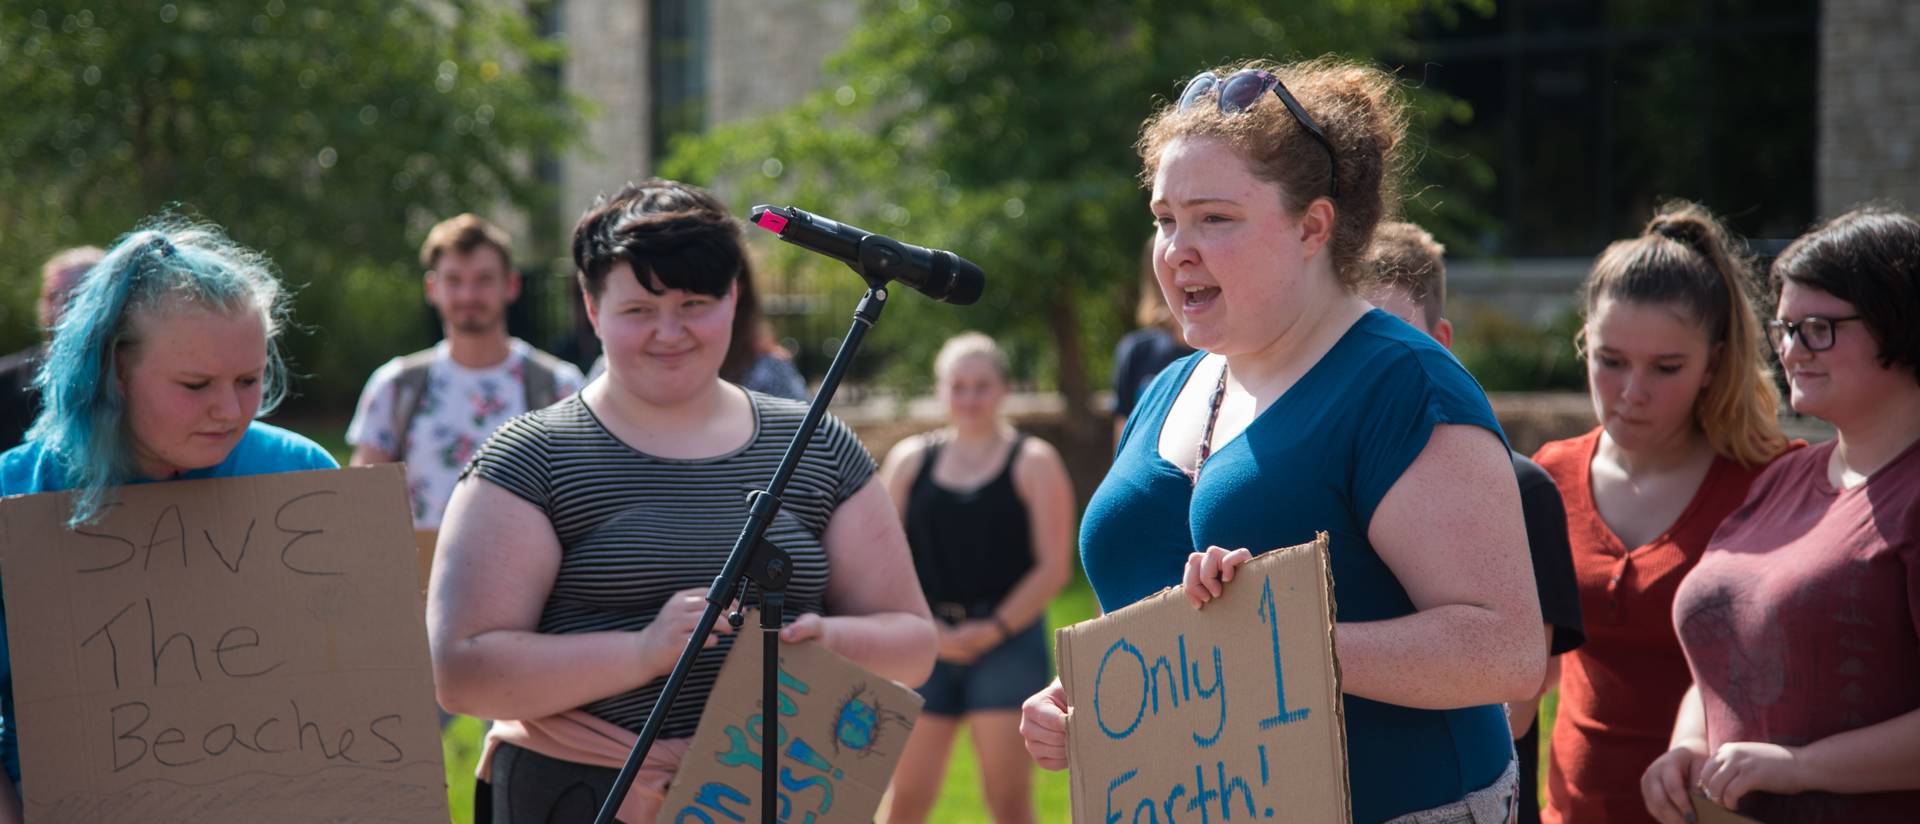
(1801, 623)
(577, 549)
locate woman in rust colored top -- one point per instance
(1687, 420)
(1802, 621)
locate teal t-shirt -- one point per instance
(1319, 459)
(27, 469)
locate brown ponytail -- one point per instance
(1685, 257)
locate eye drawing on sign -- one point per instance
(860, 723)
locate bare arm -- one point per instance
(1878, 758)
(877, 616)
(1667, 783)
(1522, 714)
(492, 572)
(1450, 529)
(1040, 478)
(900, 468)
(1881, 757)
(368, 455)
(1690, 723)
(10, 808)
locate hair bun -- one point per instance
(1691, 226)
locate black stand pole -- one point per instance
(766, 565)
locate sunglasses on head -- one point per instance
(1240, 90)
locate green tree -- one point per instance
(326, 133)
(1004, 131)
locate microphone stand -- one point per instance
(767, 566)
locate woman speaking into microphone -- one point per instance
(1308, 410)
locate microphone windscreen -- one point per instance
(968, 283)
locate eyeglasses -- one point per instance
(1814, 332)
(1240, 90)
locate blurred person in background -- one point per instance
(1688, 418)
(1143, 352)
(1406, 275)
(433, 408)
(19, 401)
(989, 515)
(1801, 623)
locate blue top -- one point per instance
(1319, 459)
(27, 470)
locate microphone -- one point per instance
(937, 273)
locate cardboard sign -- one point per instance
(1706, 811)
(1153, 736)
(841, 732)
(233, 650)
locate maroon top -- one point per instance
(1802, 620)
(1619, 692)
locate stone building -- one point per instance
(1587, 111)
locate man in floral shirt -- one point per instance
(433, 408)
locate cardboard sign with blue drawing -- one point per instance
(841, 732)
(1230, 713)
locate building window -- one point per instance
(678, 62)
(1593, 111)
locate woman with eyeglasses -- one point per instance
(1801, 623)
(1307, 410)
(1688, 417)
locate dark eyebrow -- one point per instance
(1198, 201)
(1661, 356)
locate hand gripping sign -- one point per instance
(1229, 713)
(840, 735)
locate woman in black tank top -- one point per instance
(989, 514)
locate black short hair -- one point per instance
(675, 236)
(1869, 257)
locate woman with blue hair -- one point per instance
(165, 355)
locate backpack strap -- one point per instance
(409, 394)
(540, 377)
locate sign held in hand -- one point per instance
(231, 650)
(840, 735)
(1229, 713)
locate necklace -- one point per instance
(1213, 417)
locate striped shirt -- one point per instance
(635, 528)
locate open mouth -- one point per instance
(1200, 296)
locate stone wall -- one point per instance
(607, 64)
(1869, 128)
(765, 55)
